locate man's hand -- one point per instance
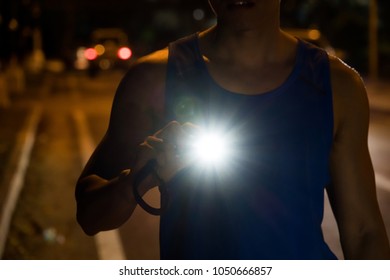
(168, 146)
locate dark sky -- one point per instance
(67, 23)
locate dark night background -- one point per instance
(55, 107)
(150, 24)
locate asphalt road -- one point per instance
(72, 110)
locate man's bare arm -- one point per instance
(104, 190)
(352, 192)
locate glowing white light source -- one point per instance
(211, 148)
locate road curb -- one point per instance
(27, 140)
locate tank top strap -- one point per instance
(186, 91)
(184, 56)
(316, 68)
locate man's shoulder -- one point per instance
(151, 64)
(155, 58)
(347, 84)
(349, 94)
(147, 73)
(343, 75)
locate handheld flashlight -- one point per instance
(207, 149)
(210, 148)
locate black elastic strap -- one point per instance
(150, 168)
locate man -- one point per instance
(299, 120)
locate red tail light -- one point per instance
(124, 53)
(90, 54)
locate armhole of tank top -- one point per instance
(324, 76)
(329, 90)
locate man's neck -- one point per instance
(257, 45)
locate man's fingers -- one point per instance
(170, 132)
(191, 128)
(170, 147)
(153, 142)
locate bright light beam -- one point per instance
(211, 148)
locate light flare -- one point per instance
(211, 148)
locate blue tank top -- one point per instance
(268, 203)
